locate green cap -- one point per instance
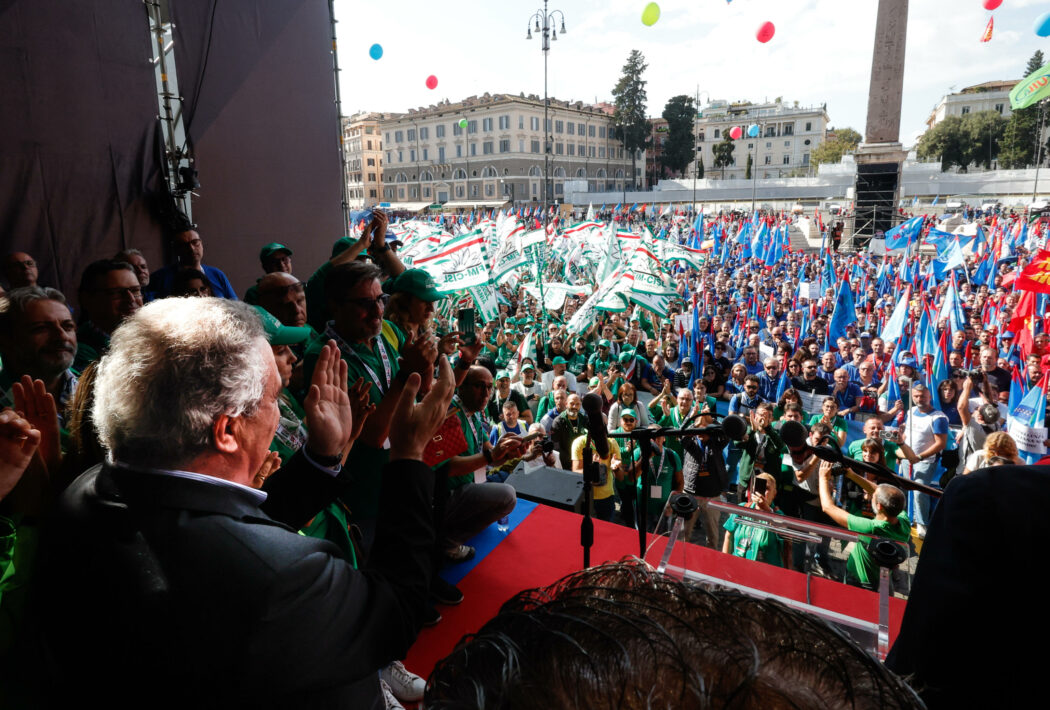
(594, 382)
(627, 356)
(502, 374)
(271, 249)
(415, 282)
(528, 366)
(341, 245)
(603, 343)
(559, 361)
(628, 413)
(278, 333)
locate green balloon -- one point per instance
(650, 14)
(462, 123)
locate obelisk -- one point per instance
(880, 156)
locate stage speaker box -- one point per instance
(555, 487)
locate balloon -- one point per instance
(432, 82)
(765, 32)
(1042, 25)
(735, 132)
(462, 123)
(752, 130)
(992, 4)
(375, 51)
(650, 14)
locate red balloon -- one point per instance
(432, 82)
(735, 132)
(766, 32)
(992, 4)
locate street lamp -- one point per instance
(544, 22)
(696, 133)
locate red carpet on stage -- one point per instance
(544, 545)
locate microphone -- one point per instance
(592, 406)
(794, 434)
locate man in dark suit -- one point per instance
(172, 582)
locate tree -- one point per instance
(632, 127)
(946, 142)
(1018, 143)
(723, 154)
(983, 134)
(700, 168)
(845, 141)
(679, 146)
(747, 170)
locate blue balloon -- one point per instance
(375, 51)
(752, 130)
(1042, 25)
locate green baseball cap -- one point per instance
(626, 357)
(528, 366)
(603, 343)
(594, 382)
(415, 282)
(628, 413)
(277, 333)
(271, 249)
(502, 374)
(341, 245)
(559, 361)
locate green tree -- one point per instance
(679, 146)
(1017, 149)
(723, 154)
(632, 127)
(845, 141)
(700, 168)
(747, 170)
(983, 133)
(946, 142)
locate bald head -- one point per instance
(284, 296)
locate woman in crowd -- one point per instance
(999, 449)
(627, 398)
(949, 395)
(829, 414)
(735, 385)
(790, 395)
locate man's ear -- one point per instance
(223, 434)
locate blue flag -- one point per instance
(904, 233)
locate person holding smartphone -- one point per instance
(755, 543)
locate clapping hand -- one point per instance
(37, 406)
(18, 443)
(361, 408)
(416, 423)
(418, 356)
(329, 415)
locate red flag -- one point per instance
(987, 36)
(1036, 275)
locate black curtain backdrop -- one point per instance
(79, 164)
(256, 77)
(77, 134)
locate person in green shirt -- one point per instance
(599, 361)
(757, 543)
(665, 470)
(829, 414)
(580, 356)
(763, 450)
(890, 521)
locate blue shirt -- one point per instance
(742, 404)
(160, 281)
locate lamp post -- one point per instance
(696, 133)
(754, 169)
(544, 22)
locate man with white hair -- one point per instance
(170, 574)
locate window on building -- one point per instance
(717, 134)
(490, 190)
(424, 133)
(412, 192)
(399, 136)
(388, 136)
(473, 190)
(456, 130)
(425, 157)
(571, 147)
(534, 123)
(789, 129)
(412, 155)
(459, 151)
(787, 160)
(809, 126)
(580, 128)
(370, 142)
(426, 192)
(521, 123)
(769, 159)
(965, 110)
(999, 108)
(486, 147)
(400, 156)
(439, 131)
(571, 128)
(441, 154)
(558, 188)
(486, 124)
(411, 134)
(590, 151)
(771, 131)
(805, 158)
(582, 150)
(504, 123)
(372, 194)
(473, 149)
(601, 151)
(504, 146)
(371, 161)
(371, 177)
(535, 146)
(787, 144)
(769, 144)
(472, 126)
(601, 131)
(559, 149)
(400, 193)
(590, 131)
(459, 191)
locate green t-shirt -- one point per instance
(662, 474)
(599, 363)
(753, 543)
(860, 564)
(578, 363)
(889, 447)
(838, 424)
(475, 433)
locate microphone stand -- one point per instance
(590, 477)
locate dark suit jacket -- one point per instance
(977, 608)
(161, 591)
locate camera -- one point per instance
(547, 446)
(976, 376)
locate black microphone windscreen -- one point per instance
(592, 403)
(735, 427)
(793, 433)
(592, 407)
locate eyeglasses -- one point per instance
(627, 420)
(366, 304)
(120, 292)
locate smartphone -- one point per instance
(760, 485)
(466, 326)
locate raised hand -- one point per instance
(416, 423)
(38, 408)
(329, 416)
(271, 463)
(361, 407)
(418, 356)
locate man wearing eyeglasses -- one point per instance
(768, 380)
(109, 292)
(188, 248)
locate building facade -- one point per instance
(788, 135)
(363, 148)
(487, 151)
(989, 96)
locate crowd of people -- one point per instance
(343, 431)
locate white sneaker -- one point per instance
(388, 697)
(405, 684)
(920, 532)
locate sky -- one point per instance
(821, 52)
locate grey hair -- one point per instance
(171, 370)
(18, 299)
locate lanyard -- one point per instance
(475, 435)
(349, 352)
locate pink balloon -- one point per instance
(735, 132)
(992, 4)
(766, 32)
(432, 82)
